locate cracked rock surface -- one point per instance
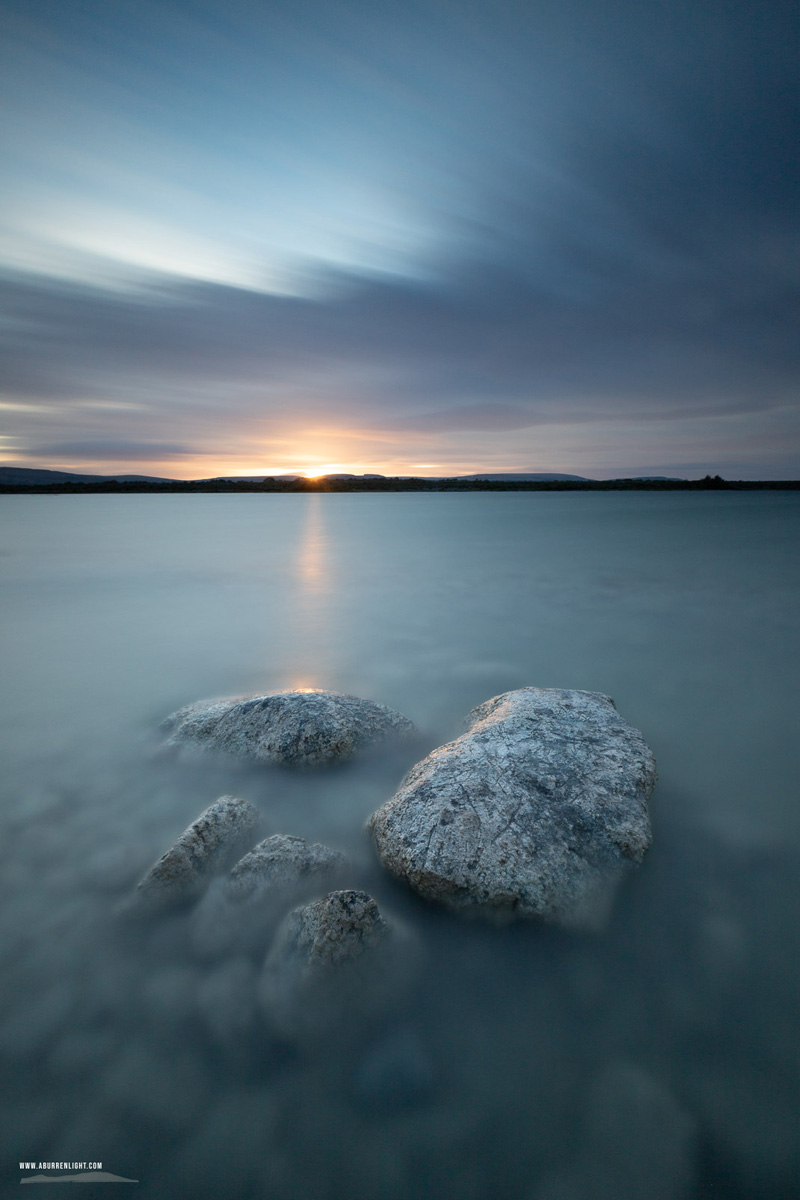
(537, 810)
(293, 728)
(218, 834)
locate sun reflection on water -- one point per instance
(312, 573)
(310, 564)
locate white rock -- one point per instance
(537, 810)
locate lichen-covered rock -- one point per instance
(328, 962)
(282, 864)
(207, 846)
(295, 728)
(537, 810)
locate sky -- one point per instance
(425, 238)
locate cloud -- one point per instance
(487, 417)
(189, 368)
(500, 222)
(103, 451)
(488, 347)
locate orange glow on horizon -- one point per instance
(331, 469)
(310, 452)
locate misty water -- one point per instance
(659, 1058)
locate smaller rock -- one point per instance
(307, 728)
(283, 864)
(330, 963)
(340, 928)
(206, 847)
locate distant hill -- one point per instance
(544, 477)
(230, 479)
(20, 476)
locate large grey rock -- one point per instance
(634, 1141)
(219, 834)
(537, 810)
(330, 961)
(295, 728)
(283, 864)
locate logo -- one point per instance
(70, 1172)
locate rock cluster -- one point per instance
(293, 728)
(326, 958)
(537, 810)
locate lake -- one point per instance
(659, 1058)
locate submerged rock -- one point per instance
(395, 1074)
(329, 962)
(635, 1141)
(537, 810)
(226, 1000)
(295, 728)
(282, 864)
(219, 928)
(207, 846)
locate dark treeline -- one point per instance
(114, 486)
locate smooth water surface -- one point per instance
(660, 1058)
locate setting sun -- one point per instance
(328, 469)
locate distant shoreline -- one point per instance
(287, 487)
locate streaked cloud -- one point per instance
(114, 451)
(499, 235)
